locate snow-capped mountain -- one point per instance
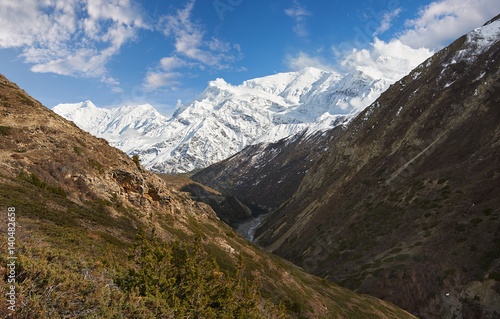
(115, 125)
(225, 118)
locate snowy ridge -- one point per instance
(225, 118)
(478, 41)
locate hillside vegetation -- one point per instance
(98, 236)
(405, 204)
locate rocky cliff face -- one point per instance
(405, 204)
(79, 204)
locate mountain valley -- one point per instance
(404, 204)
(389, 190)
(96, 235)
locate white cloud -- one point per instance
(120, 11)
(299, 14)
(162, 76)
(303, 60)
(69, 37)
(155, 80)
(445, 20)
(386, 21)
(436, 24)
(171, 63)
(192, 49)
(190, 40)
(390, 61)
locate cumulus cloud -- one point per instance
(303, 60)
(445, 20)
(389, 61)
(299, 13)
(382, 60)
(71, 37)
(171, 63)
(434, 27)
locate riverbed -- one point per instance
(247, 229)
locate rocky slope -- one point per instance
(405, 204)
(227, 207)
(267, 174)
(79, 204)
(225, 118)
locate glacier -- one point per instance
(226, 118)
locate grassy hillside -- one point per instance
(98, 236)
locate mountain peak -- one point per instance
(225, 118)
(219, 82)
(77, 197)
(88, 103)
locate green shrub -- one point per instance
(77, 150)
(32, 178)
(401, 257)
(388, 260)
(136, 160)
(442, 180)
(396, 250)
(4, 130)
(58, 190)
(181, 279)
(476, 220)
(495, 275)
(96, 165)
(488, 211)
(35, 180)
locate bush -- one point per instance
(77, 150)
(136, 160)
(58, 190)
(401, 257)
(476, 220)
(32, 178)
(4, 130)
(495, 275)
(96, 165)
(181, 279)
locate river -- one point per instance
(247, 229)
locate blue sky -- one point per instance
(117, 52)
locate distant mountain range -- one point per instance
(224, 119)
